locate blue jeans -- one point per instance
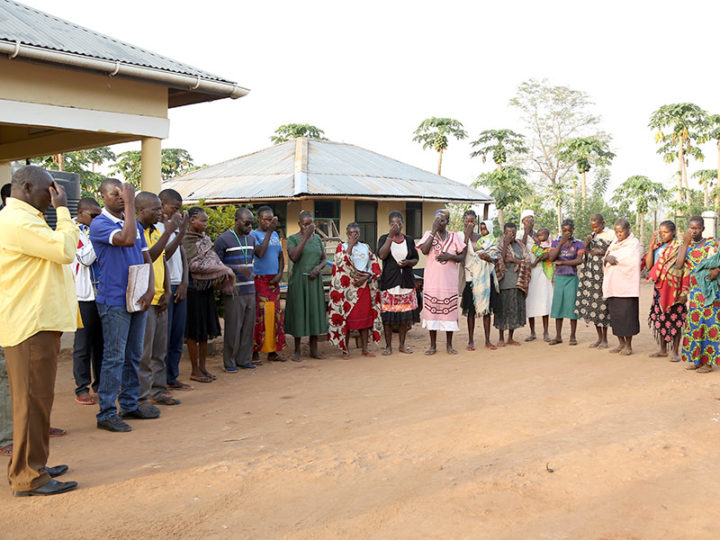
(123, 335)
(176, 334)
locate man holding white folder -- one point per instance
(119, 244)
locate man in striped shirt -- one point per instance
(236, 249)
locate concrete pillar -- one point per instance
(150, 164)
(5, 173)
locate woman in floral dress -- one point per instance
(589, 303)
(354, 295)
(701, 334)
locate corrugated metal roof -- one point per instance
(333, 170)
(37, 28)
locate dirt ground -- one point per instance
(526, 442)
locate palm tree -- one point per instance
(714, 134)
(684, 123)
(639, 191)
(287, 132)
(585, 152)
(507, 186)
(706, 178)
(433, 133)
(498, 142)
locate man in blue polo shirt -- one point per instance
(235, 248)
(119, 243)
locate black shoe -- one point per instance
(53, 487)
(114, 424)
(247, 366)
(56, 471)
(144, 412)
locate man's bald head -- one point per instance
(145, 199)
(109, 184)
(31, 184)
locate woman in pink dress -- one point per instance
(443, 251)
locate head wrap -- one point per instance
(443, 211)
(488, 226)
(526, 213)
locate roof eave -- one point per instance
(197, 86)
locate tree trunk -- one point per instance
(583, 191)
(683, 169)
(642, 227)
(440, 153)
(706, 201)
(681, 160)
(558, 209)
(501, 218)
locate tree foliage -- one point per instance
(174, 162)
(287, 132)
(498, 142)
(637, 193)
(81, 162)
(553, 115)
(507, 186)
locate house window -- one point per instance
(413, 219)
(366, 217)
(327, 217)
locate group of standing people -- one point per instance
(132, 325)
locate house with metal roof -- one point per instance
(339, 183)
(64, 87)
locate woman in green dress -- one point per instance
(305, 310)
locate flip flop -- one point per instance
(555, 342)
(572, 342)
(491, 347)
(469, 348)
(202, 379)
(85, 400)
(180, 386)
(57, 432)
(6, 450)
(369, 354)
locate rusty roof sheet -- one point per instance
(332, 170)
(37, 28)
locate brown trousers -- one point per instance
(31, 367)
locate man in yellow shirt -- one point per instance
(37, 304)
(153, 373)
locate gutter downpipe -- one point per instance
(113, 68)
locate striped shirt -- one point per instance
(237, 251)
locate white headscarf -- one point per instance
(526, 213)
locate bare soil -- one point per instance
(524, 442)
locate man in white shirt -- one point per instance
(88, 344)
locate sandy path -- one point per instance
(402, 447)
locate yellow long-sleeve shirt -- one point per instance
(36, 286)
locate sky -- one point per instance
(369, 72)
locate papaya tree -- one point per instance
(585, 152)
(498, 142)
(706, 178)
(507, 186)
(434, 132)
(679, 127)
(637, 192)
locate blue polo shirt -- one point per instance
(269, 264)
(237, 251)
(114, 261)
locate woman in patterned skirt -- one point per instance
(667, 313)
(700, 336)
(589, 303)
(397, 283)
(444, 250)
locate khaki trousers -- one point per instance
(31, 367)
